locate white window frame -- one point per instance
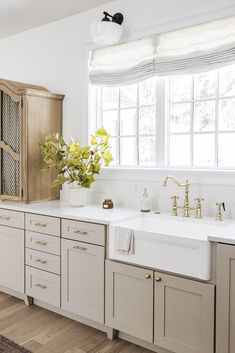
(210, 176)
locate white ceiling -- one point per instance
(20, 15)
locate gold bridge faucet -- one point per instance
(186, 206)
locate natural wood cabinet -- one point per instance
(27, 114)
(129, 300)
(184, 315)
(82, 276)
(12, 258)
(225, 318)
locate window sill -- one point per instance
(197, 176)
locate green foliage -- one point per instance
(76, 163)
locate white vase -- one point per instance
(77, 196)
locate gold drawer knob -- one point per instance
(77, 247)
(41, 286)
(147, 276)
(158, 279)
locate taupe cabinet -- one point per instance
(225, 318)
(82, 266)
(183, 309)
(183, 315)
(129, 300)
(27, 114)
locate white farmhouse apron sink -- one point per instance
(179, 245)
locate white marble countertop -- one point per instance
(89, 213)
(224, 231)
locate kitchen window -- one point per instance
(177, 121)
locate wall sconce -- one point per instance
(108, 31)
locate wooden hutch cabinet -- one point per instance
(27, 114)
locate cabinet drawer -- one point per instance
(43, 286)
(12, 218)
(43, 242)
(83, 231)
(42, 224)
(43, 261)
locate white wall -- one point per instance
(53, 55)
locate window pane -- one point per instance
(180, 117)
(110, 122)
(128, 96)
(227, 114)
(147, 121)
(110, 98)
(204, 150)
(226, 150)
(180, 88)
(128, 151)
(128, 124)
(205, 84)
(114, 150)
(147, 92)
(147, 152)
(227, 81)
(204, 116)
(180, 150)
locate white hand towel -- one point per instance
(124, 240)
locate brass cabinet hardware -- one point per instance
(5, 218)
(147, 276)
(77, 247)
(158, 279)
(39, 242)
(40, 225)
(198, 207)
(219, 211)
(39, 285)
(40, 261)
(80, 232)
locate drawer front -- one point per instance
(43, 261)
(42, 224)
(43, 242)
(12, 218)
(43, 286)
(83, 231)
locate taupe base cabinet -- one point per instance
(225, 332)
(183, 319)
(62, 264)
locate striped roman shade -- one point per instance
(187, 50)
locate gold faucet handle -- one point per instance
(199, 200)
(221, 204)
(219, 213)
(175, 198)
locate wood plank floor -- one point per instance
(42, 331)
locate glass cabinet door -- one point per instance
(10, 146)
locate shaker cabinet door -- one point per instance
(225, 306)
(12, 258)
(129, 300)
(184, 315)
(82, 277)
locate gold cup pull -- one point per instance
(77, 247)
(40, 261)
(39, 242)
(80, 232)
(42, 225)
(158, 279)
(39, 285)
(147, 276)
